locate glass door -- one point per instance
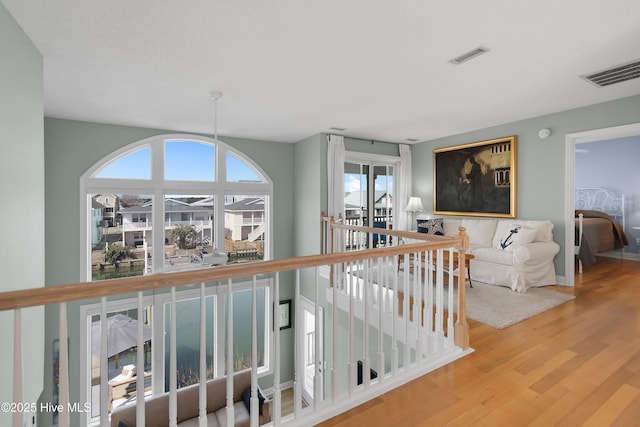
(369, 192)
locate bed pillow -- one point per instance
(246, 398)
(515, 237)
(431, 226)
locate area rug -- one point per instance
(499, 306)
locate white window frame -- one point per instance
(157, 187)
(374, 160)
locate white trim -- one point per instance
(377, 159)
(571, 141)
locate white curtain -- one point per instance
(335, 175)
(404, 190)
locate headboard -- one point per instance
(603, 200)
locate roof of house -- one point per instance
(170, 205)
(249, 204)
(357, 199)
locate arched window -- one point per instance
(173, 202)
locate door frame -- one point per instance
(571, 140)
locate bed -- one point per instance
(600, 222)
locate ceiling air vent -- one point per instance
(617, 74)
(469, 55)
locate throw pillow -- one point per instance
(246, 398)
(431, 226)
(517, 236)
(121, 424)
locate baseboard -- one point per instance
(621, 255)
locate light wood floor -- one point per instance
(578, 364)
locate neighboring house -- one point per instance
(244, 219)
(355, 205)
(111, 202)
(97, 222)
(136, 221)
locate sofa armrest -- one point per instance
(535, 253)
(266, 411)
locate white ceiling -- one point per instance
(290, 69)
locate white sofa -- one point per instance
(519, 266)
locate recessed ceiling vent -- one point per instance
(469, 55)
(617, 74)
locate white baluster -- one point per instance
(298, 358)
(202, 388)
(230, 360)
(140, 389)
(317, 379)
(63, 369)
(277, 392)
(18, 418)
(254, 354)
(352, 295)
(105, 398)
(173, 363)
(384, 271)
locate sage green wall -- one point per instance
(540, 163)
(22, 213)
(307, 190)
(71, 147)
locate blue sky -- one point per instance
(184, 160)
(356, 182)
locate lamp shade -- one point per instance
(414, 205)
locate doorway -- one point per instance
(312, 351)
(573, 140)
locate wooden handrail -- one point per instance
(56, 294)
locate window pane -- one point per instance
(121, 229)
(188, 340)
(239, 171)
(189, 232)
(355, 190)
(245, 225)
(121, 355)
(136, 165)
(242, 327)
(189, 161)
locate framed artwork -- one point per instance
(476, 179)
(284, 314)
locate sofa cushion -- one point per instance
(212, 421)
(431, 226)
(516, 236)
(480, 231)
(451, 226)
(240, 415)
(493, 255)
(544, 229)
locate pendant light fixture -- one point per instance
(215, 96)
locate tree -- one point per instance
(183, 235)
(116, 253)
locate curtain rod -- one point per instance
(365, 139)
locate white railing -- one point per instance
(384, 288)
(131, 226)
(196, 223)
